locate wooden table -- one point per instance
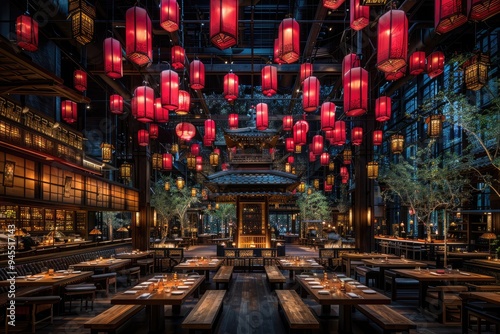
(204, 265)
(391, 263)
(156, 301)
(104, 265)
(342, 299)
(488, 297)
(134, 256)
(59, 278)
(301, 265)
(347, 258)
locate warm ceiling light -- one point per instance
(113, 63)
(82, 20)
(106, 152)
(356, 92)
(197, 75)
(169, 15)
(27, 32)
(139, 49)
(289, 40)
(261, 116)
(224, 23)
(392, 41)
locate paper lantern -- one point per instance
(69, 111)
(156, 162)
(324, 159)
(277, 52)
(116, 104)
(417, 63)
(448, 15)
(138, 46)
(339, 134)
(207, 142)
(344, 172)
(289, 40)
(214, 159)
(332, 4)
(106, 152)
(287, 123)
(396, 75)
(195, 149)
(197, 74)
(350, 61)
(261, 116)
(178, 57)
(179, 182)
(434, 125)
(169, 89)
(143, 137)
(372, 170)
(310, 94)
(161, 114)
(167, 186)
(191, 161)
(113, 63)
(184, 103)
(317, 144)
(383, 107)
(289, 144)
(435, 64)
(80, 80)
(126, 171)
(199, 160)
(397, 143)
(167, 161)
(210, 129)
(356, 92)
(269, 76)
(357, 135)
(347, 156)
(169, 15)
(331, 166)
(312, 156)
(175, 148)
(82, 20)
(327, 187)
(481, 10)
(306, 70)
(224, 166)
(233, 121)
(27, 33)
(360, 15)
(328, 115)
(476, 71)
(378, 136)
(330, 179)
(224, 23)
(290, 159)
(145, 97)
(392, 41)
(154, 131)
(231, 87)
(185, 130)
(300, 132)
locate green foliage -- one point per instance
(314, 206)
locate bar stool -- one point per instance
(81, 291)
(33, 306)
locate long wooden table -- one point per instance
(391, 263)
(299, 265)
(492, 298)
(205, 265)
(104, 265)
(347, 258)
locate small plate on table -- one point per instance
(324, 292)
(177, 292)
(317, 286)
(183, 287)
(369, 291)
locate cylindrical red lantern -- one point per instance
(169, 89)
(339, 135)
(417, 62)
(328, 187)
(80, 80)
(133, 106)
(383, 107)
(289, 40)
(184, 103)
(332, 4)
(178, 57)
(195, 149)
(356, 92)
(269, 76)
(396, 75)
(360, 15)
(300, 132)
(209, 129)
(116, 104)
(312, 157)
(138, 46)
(145, 97)
(154, 131)
(224, 166)
(27, 33)
(328, 115)
(169, 15)
(199, 160)
(261, 116)
(310, 94)
(392, 41)
(435, 64)
(277, 52)
(69, 111)
(344, 172)
(207, 142)
(290, 159)
(224, 23)
(306, 70)
(378, 136)
(197, 74)
(289, 144)
(185, 131)
(231, 87)
(143, 137)
(287, 122)
(448, 15)
(317, 144)
(350, 61)
(324, 159)
(357, 135)
(113, 63)
(199, 167)
(232, 120)
(481, 10)
(167, 161)
(161, 114)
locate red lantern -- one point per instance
(224, 166)
(277, 52)
(383, 107)
(161, 114)
(312, 157)
(169, 15)
(287, 123)
(356, 92)
(169, 89)
(328, 187)
(145, 97)
(350, 61)
(289, 40)
(290, 159)
(300, 132)
(207, 142)
(184, 103)
(332, 4)
(417, 62)
(324, 159)
(224, 23)
(231, 86)
(328, 115)
(481, 10)
(80, 80)
(116, 104)
(435, 64)
(133, 106)
(167, 161)
(329, 135)
(262, 116)
(306, 70)
(339, 135)
(139, 40)
(396, 75)
(199, 167)
(357, 135)
(185, 131)
(289, 144)
(233, 121)
(317, 145)
(113, 64)
(143, 137)
(269, 80)
(178, 55)
(345, 179)
(360, 15)
(195, 149)
(378, 136)
(199, 160)
(448, 15)
(154, 131)
(209, 129)
(27, 33)
(69, 111)
(310, 96)
(344, 172)
(197, 74)
(392, 41)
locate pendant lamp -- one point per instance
(224, 23)
(27, 33)
(113, 63)
(169, 15)
(138, 36)
(169, 81)
(392, 41)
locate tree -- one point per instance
(225, 213)
(313, 206)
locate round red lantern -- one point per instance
(161, 114)
(27, 33)
(287, 122)
(261, 116)
(69, 111)
(207, 141)
(396, 75)
(357, 135)
(332, 4)
(378, 136)
(481, 10)
(113, 63)
(145, 97)
(143, 137)
(317, 145)
(199, 160)
(289, 40)
(154, 131)
(233, 121)
(116, 104)
(195, 149)
(184, 103)
(197, 74)
(138, 46)
(80, 80)
(289, 144)
(231, 86)
(224, 23)
(300, 132)
(169, 89)
(448, 15)
(269, 76)
(169, 15)
(344, 172)
(356, 92)
(167, 161)
(324, 159)
(209, 129)
(290, 159)
(360, 15)
(310, 95)
(178, 56)
(392, 41)
(383, 107)
(435, 64)
(417, 62)
(185, 130)
(306, 70)
(328, 115)
(339, 135)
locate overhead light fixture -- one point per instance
(82, 20)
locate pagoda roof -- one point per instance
(250, 136)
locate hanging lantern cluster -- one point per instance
(167, 161)
(169, 89)
(231, 87)
(224, 23)
(184, 103)
(357, 135)
(310, 94)
(372, 170)
(417, 63)
(378, 136)
(143, 137)
(448, 15)
(233, 121)
(383, 107)
(397, 144)
(82, 20)
(435, 64)
(139, 39)
(197, 74)
(356, 92)
(80, 80)
(116, 104)
(27, 32)
(161, 114)
(287, 123)
(145, 97)
(434, 125)
(392, 41)
(328, 115)
(169, 15)
(261, 116)
(332, 4)
(106, 152)
(476, 71)
(156, 161)
(269, 76)
(113, 63)
(178, 56)
(289, 40)
(69, 111)
(360, 15)
(185, 131)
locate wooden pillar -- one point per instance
(143, 219)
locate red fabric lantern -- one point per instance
(310, 95)
(167, 161)
(145, 97)
(435, 64)
(356, 92)
(184, 103)
(233, 121)
(207, 142)
(224, 23)
(324, 159)
(209, 129)
(312, 157)
(199, 160)
(417, 62)
(300, 132)
(306, 70)
(269, 76)
(396, 75)
(133, 106)
(344, 172)
(197, 74)
(289, 40)
(138, 46)
(27, 33)
(231, 86)
(383, 107)
(448, 15)
(345, 179)
(185, 131)
(199, 167)
(113, 64)
(328, 115)
(277, 52)
(332, 4)
(357, 135)
(339, 135)
(289, 144)
(80, 80)
(161, 114)
(317, 144)
(143, 137)
(378, 136)
(69, 111)
(481, 10)
(287, 123)
(169, 15)
(154, 131)
(116, 104)
(262, 116)
(169, 89)
(290, 159)
(350, 61)
(328, 187)
(360, 15)
(178, 55)
(392, 41)
(329, 135)
(195, 149)
(224, 166)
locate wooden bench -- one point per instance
(274, 276)
(112, 319)
(205, 313)
(223, 275)
(387, 318)
(297, 313)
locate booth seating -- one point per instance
(32, 307)
(103, 281)
(81, 291)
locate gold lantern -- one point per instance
(82, 20)
(167, 186)
(216, 206)
(397, 144)
(476, 71)
(288, 167)
(316, 183)
(293, 170)
(298, 148)
(194, 192)
(372, 169)
(126, 171)
(347, 156)
(434, 125)
(214, 159)
(175, 148)
(302, 187)
(107, 152)
(191, 161)
(180, 183)
(309, 191)
(157, 160)
(331, 166)
(330, 179)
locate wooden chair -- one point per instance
(446, 302)
(33, 307)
